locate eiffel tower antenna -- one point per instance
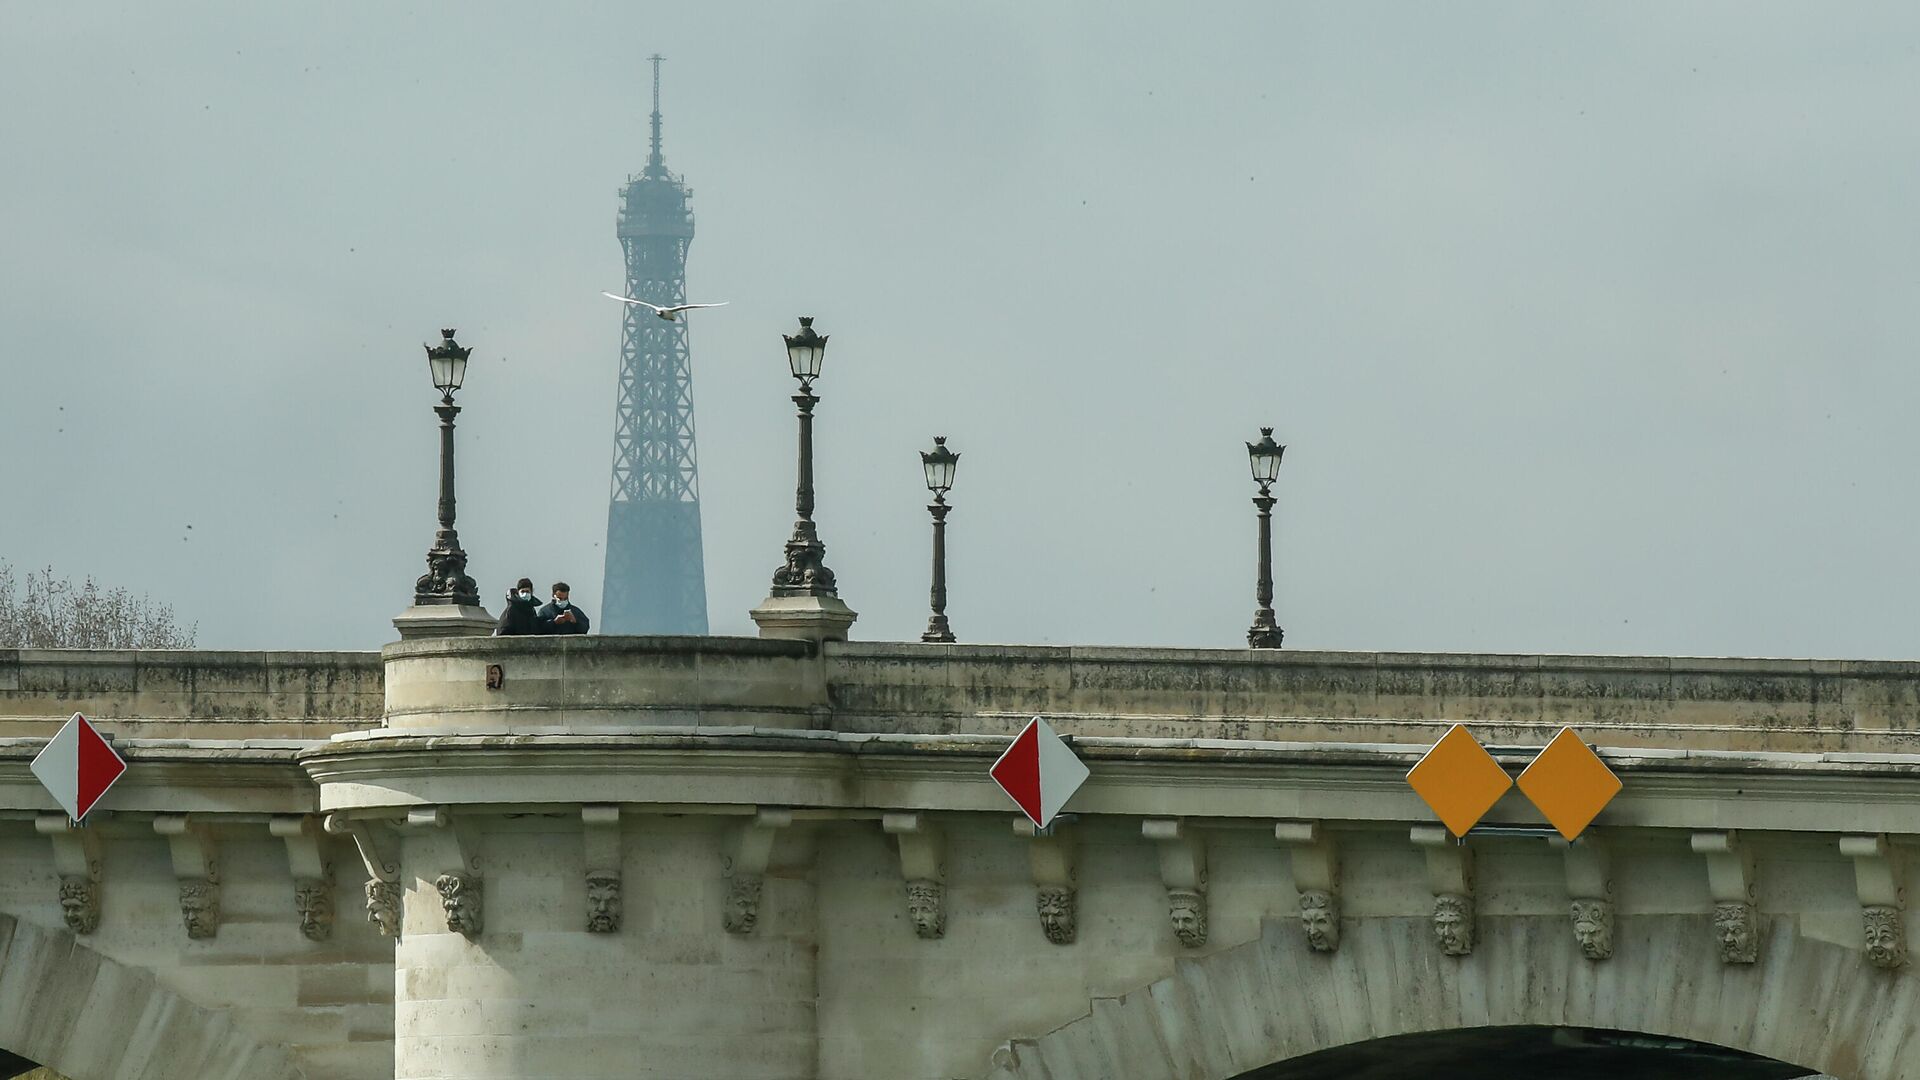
(655, 161)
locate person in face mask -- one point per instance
(561, 617)
(522, 614)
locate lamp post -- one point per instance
(939, 464)
(1264, 456)
(446, 581)
(805, 572)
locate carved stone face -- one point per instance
(1187, 909)
(1593, 928)
(80, 904)
(1733, 925)
(743, 903)
(200, 907)
(1453, 924)
(1056, 913)
(313, 899)
(1886, 936)
(603, 903)
(460, 896)
(1320, 918)
(383, 906)
(926, 906)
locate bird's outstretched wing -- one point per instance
(635, 303)
(690, 307)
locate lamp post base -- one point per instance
(1265, 636)
(443, 620)
(938, 631)
(807, 618)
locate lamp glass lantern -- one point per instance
(447, 362)
(1264, 457)
(805, 350)
(940, 464)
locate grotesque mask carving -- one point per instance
(743, 903)
(1187, 909)
(460, 896)
(80, 904)
(200, 906)
(1593, 927)
(1056, 903)
(383, 906)
(927, 907)
(313, 899)
(1886, 936)
(1733, 925)
(603, 902)
(1320, 918)
(1453, 923)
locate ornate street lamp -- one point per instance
(939, 464)
(446, 580)
(805, 572)
(1264, 456)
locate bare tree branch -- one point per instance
(45, 612)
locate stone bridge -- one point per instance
(591, 858)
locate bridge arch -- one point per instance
(1237, 1011)
(91, 1018)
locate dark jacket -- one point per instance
(552, 611)
(519, 617)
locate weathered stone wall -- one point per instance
(1804, 1001)
(1625, 701)
(1783, 705)
(835, 983)
(188, 694)
(440, 684)
(671, 993)
(326, 1003)
(893, 1005)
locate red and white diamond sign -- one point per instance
(77, 767)
(1039, 771)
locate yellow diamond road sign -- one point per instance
(1569, 783)
(1459, 780)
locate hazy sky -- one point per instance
(1590, 328)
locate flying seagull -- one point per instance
(666, 313)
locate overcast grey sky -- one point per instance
(1590, 328)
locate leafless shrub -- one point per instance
(41, 611)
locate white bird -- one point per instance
(666, 313)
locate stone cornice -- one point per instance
(723, 770)
(732, 771)
(176, 777)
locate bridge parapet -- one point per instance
(1676, 703)
(601, 683)
(549, 684)
(182, 694)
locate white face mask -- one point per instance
(559, 603)
(524, 595)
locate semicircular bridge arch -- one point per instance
(1806, 1001)
(89, 1017)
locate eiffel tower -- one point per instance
(656, 579)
